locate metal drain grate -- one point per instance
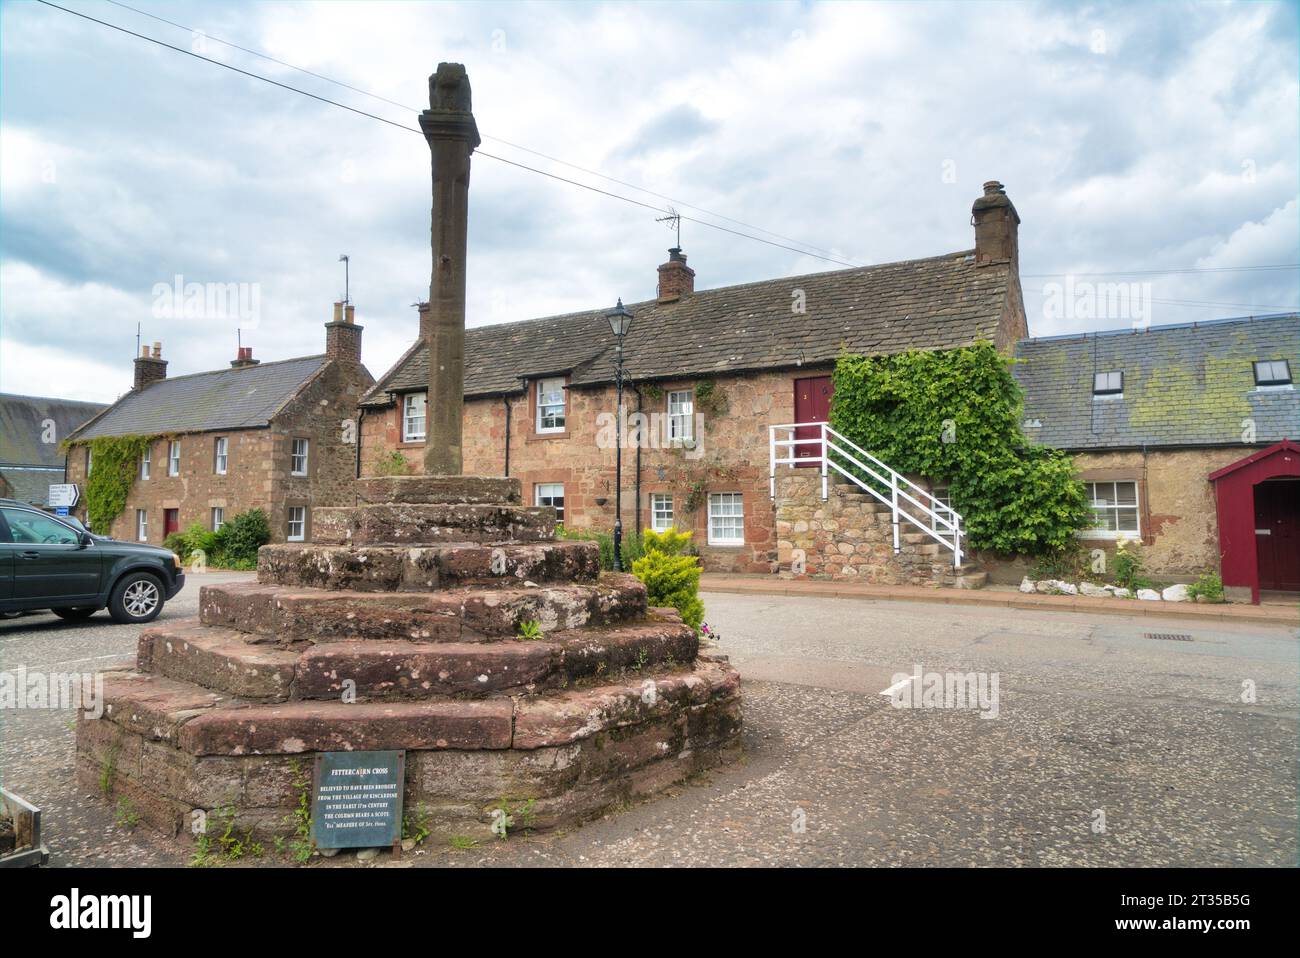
(1167, 636)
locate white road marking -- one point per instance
(897, 685)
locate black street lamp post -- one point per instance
(620, 321)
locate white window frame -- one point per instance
(661, 511)
(141, 525)
(300, 521)
(681, 422)
(558, 422)
(90, 456)
(218, 517)
(410, 434)
(717, 500)
(220, 455)
(174, 457)
(1096, 505)
(538, 496)
(146, 463)
(294, 456)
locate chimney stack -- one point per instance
(343, 335)
(149, 368)
(245, 358)
(997, 227)
(676, 279)
(425, 318)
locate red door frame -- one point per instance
(1234, 495)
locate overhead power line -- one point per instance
(523, 166)
(496, 139)
(411, 129)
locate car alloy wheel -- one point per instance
(141, 598)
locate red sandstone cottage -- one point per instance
(278, 436)
(710, 370)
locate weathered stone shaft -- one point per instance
(452, 135)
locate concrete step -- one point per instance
(286, 614)
(224, 661)
(430, 524)
(425, 568)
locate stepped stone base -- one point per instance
(408, 637)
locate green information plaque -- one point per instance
(357, 799)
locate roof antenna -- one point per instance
(137, 339)
(674, 221)
(347, 291)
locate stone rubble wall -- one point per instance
(850, 536)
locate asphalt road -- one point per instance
(1097, 723)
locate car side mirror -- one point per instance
(84, 540)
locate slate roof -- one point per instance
(933, 303)
(1184, 385)
(31, 484)
(243, 398)
(22, 428)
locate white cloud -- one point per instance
(1173, 143)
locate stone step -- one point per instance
(430, 524)
(197, 723)
(226, 662)
(449, 490)
(405, 670)
(425, 568)
(577, 714)
(276, 613)
(970, 580)
(219, 660)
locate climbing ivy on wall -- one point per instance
(954, 417)
(114, 464)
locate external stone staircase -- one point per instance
(399, 628)
(849, 535)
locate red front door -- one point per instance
(1277, 534)
(812, 403)
(171, 521)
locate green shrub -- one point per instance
(1127, 566)
(672, 581)
(1208, 587)
(632, 545)
(393, 464)
(954, 416)
(670, 541)
(671, 575)
(241, 537)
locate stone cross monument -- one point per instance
(449, 127)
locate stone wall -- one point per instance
(733, 457)
(849, 535)
(1180, 529)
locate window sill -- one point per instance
(543, 436)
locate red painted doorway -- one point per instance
(171, 521)
(1277, 534)
(812, 403)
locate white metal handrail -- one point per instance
(941, 522)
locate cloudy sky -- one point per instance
(1135, 138)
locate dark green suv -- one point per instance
(48, 562)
